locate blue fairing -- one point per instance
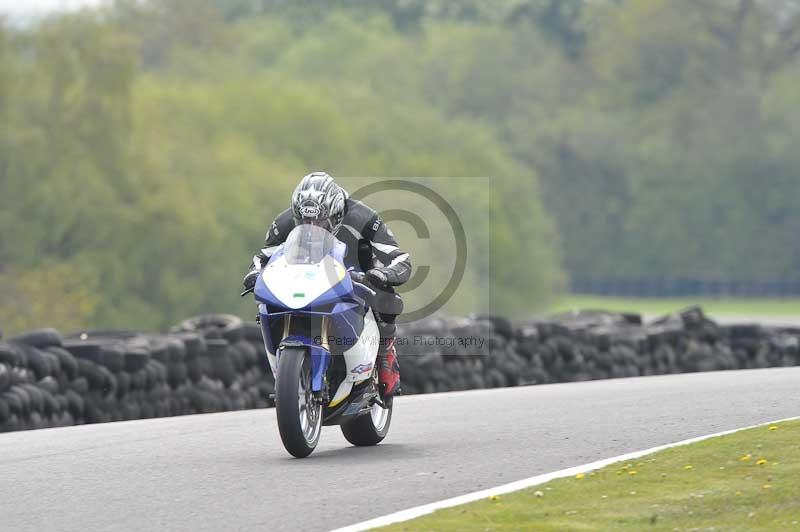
(348, 322)
(320, 358)
(266, 333)
(343, 303)
(340, 291)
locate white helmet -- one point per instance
(319, 200)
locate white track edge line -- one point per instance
(425, 509)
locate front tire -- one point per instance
(299, 416)
(369, 429)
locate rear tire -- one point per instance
(299, 418)
(369, 429)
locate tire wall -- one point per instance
(218, 363)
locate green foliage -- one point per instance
(61, 295)
(148, 144)
(658, 149)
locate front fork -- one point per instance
(320, 355)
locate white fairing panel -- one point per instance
(360, 359)
(297, 285)
(341, 393)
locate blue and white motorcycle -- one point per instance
(322, 341)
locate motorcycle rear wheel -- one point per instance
(299, 416)
(370, 428)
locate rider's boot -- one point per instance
(389, 371)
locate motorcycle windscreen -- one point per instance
(308, 244)
(306, 269)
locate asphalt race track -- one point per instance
(229, 471)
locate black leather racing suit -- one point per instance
(370, 244)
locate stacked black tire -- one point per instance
(41, 384)
(217, 363)
(582, 346)
(207, 364)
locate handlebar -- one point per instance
(358, 277)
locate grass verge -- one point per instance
(749, 480)
(720, 307)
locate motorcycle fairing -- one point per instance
(303, 286)
(362, 354)
(320, 358)
(346, 321)
(320, 289)
(360, 398)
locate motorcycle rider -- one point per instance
(371, 248)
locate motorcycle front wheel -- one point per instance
(299, 415)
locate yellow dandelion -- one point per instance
(774, 427)
(494, 498)
(580, 476)
(745, 458)
(761, 462)
(766, 486)
(738, 493)
(688, 467)
(632, 472)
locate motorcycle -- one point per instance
(322, 338)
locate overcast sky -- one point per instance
(28, 8)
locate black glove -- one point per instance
(377, 278)
(249, 281)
